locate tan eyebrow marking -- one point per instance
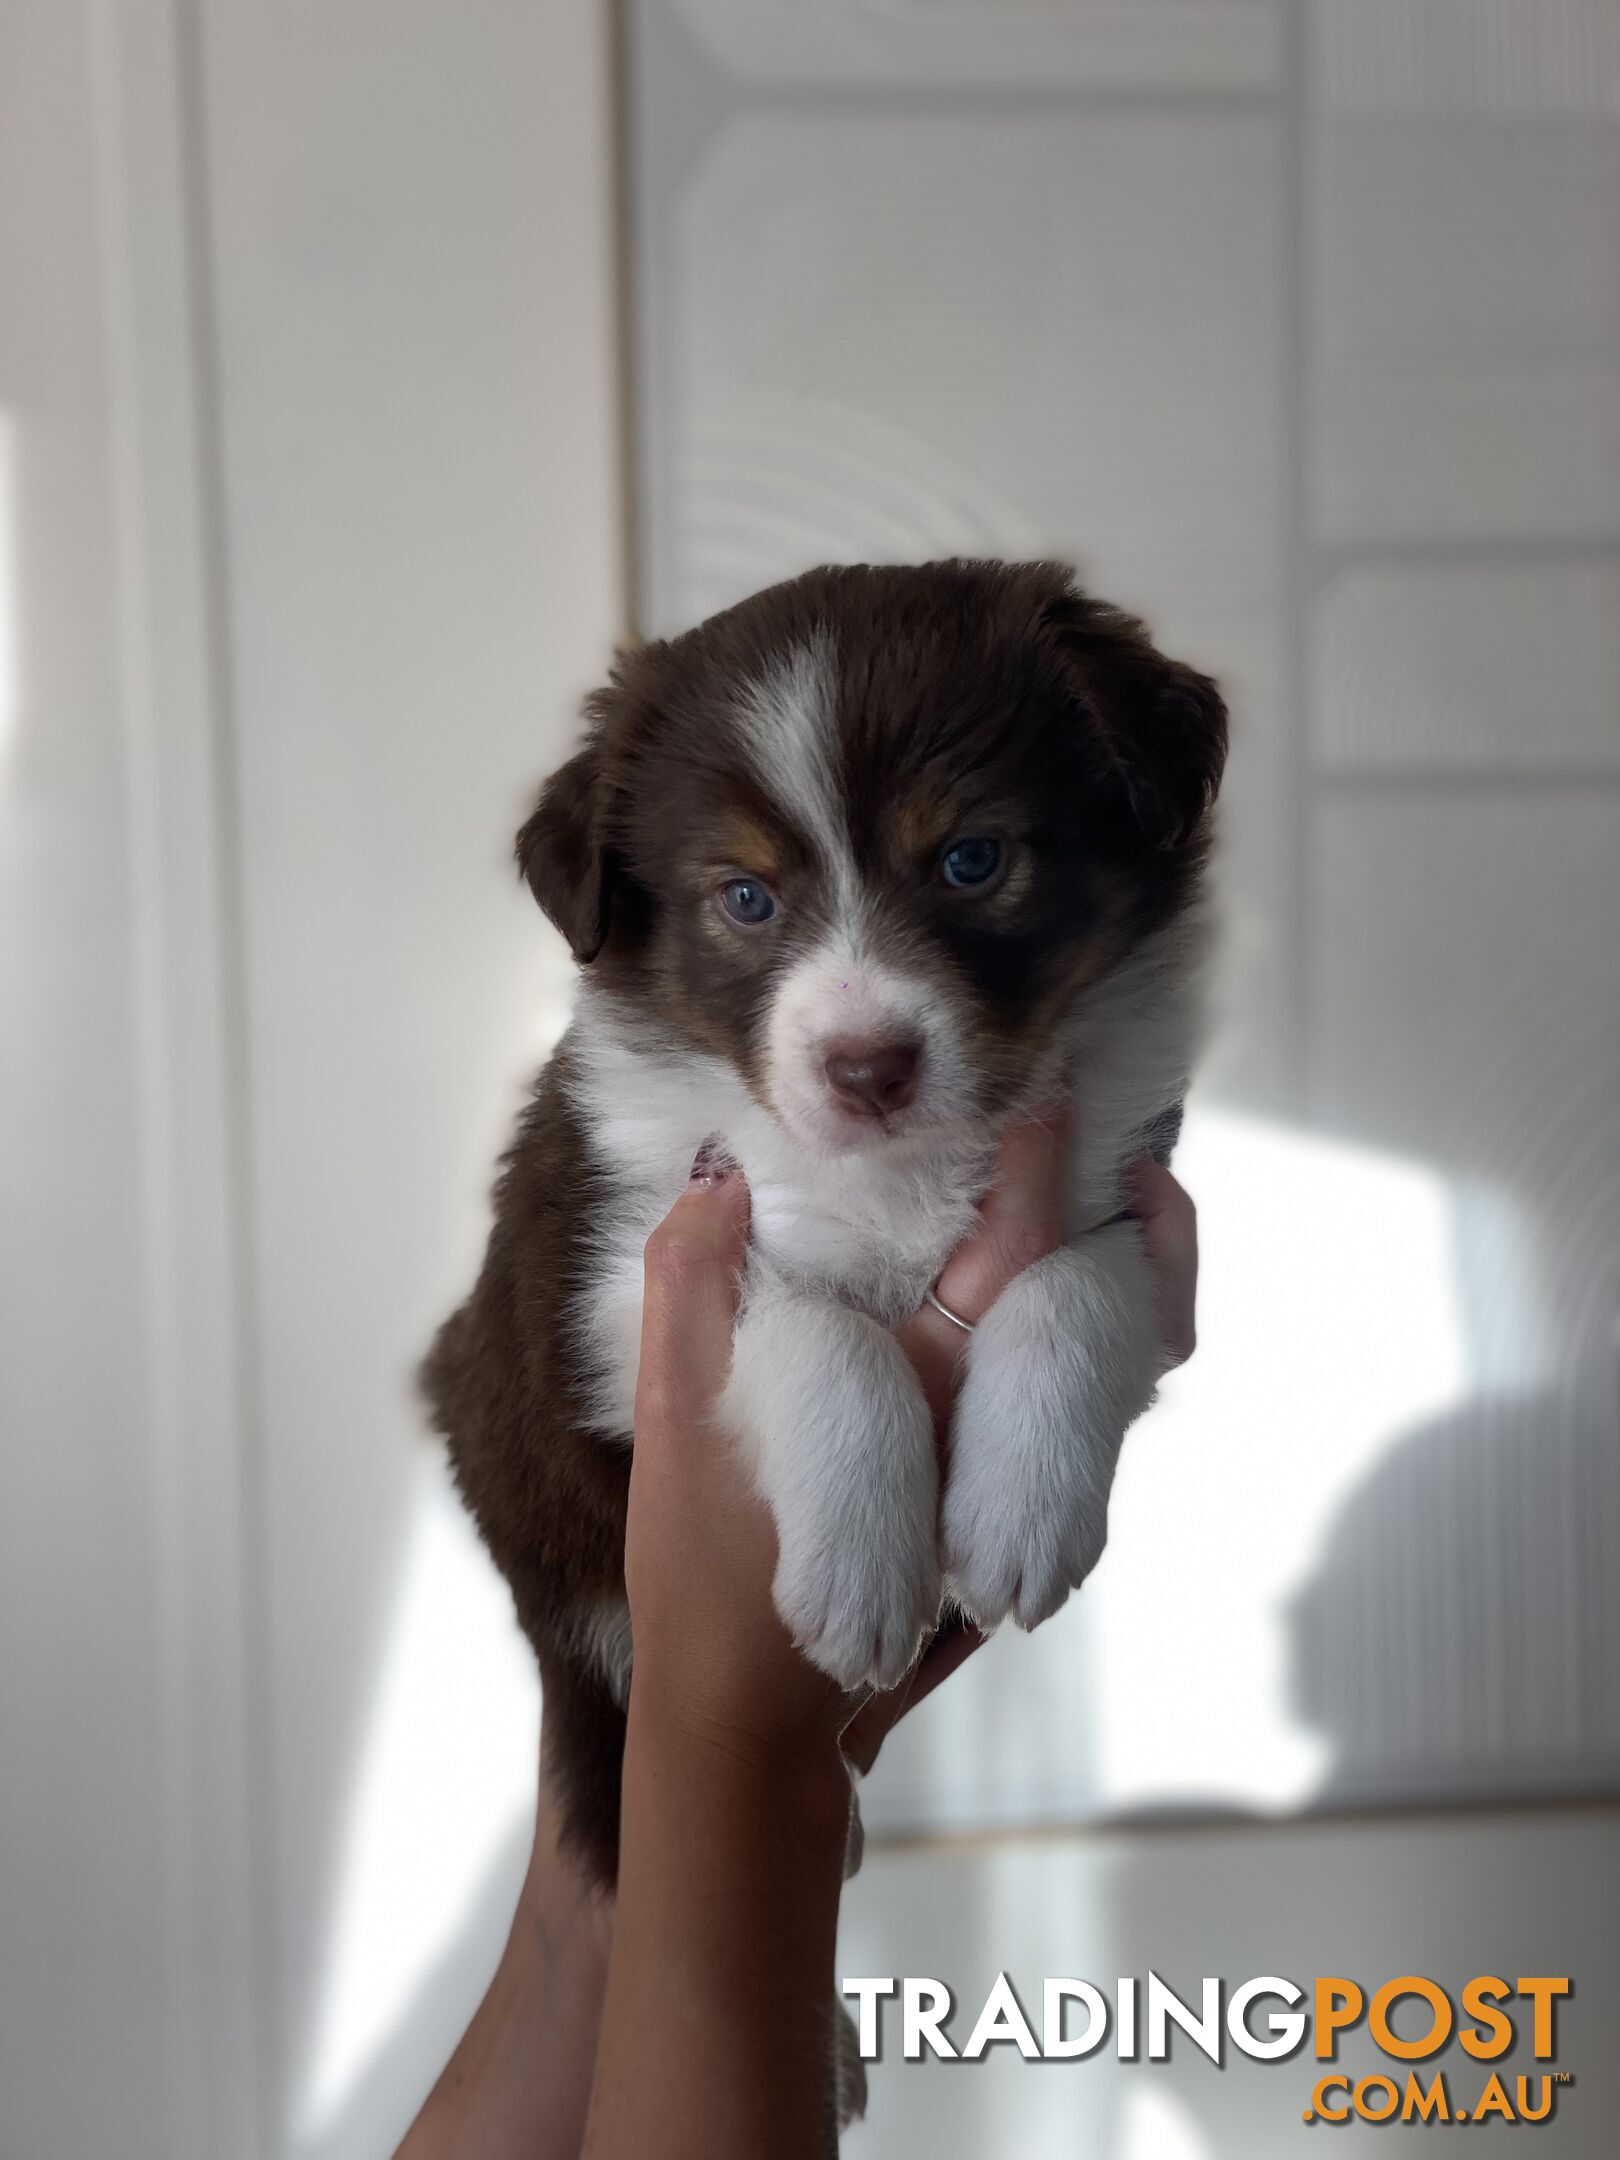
(926, 822)
(923, 824)
(745, 844)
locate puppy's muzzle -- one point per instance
(873, 1079)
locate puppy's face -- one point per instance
(869, 835)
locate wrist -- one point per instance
(735, 1679)
(756, 1753)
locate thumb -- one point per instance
(691, 1270)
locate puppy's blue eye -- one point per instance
(971, 862)
(746, 900)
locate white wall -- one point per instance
(411, 263)
(309, 542)
(128, 1964)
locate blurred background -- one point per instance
(367, 368)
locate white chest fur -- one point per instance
(870, 1228)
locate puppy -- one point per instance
(854, 872)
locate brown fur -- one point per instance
(549, 1499)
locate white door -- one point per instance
(1299, 331)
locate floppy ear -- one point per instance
(1162, 724)
(563, 853)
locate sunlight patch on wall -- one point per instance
(447, 1773)
(1330, 1327)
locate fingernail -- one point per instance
(709, 1165)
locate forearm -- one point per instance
(717, 2036)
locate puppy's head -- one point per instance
(870, 834)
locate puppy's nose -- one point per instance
(873, 1078)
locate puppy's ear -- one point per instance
(563, 853)
(1161, 724)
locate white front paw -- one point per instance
(1057, 1370)
(1012, 1556)
(856, 1604)
(843, 1450)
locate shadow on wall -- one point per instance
(1445, 1615)
(1444, 1604)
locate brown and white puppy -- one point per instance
(853, 871)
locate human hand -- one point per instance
(700, 1550)
(1169, 1223)
(1020, 1221)
(700, 1547)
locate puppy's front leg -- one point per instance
(842, 1447)
(1062, 1363)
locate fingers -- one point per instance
(952, 1644)
(1026, 1194)
(1169, 1224)
(692, 1265)
(1020, 1221)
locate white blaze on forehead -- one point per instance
(841, 990)
(789, 725)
